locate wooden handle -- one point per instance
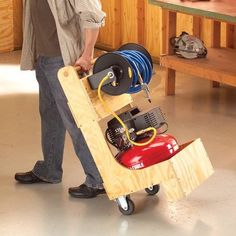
(79, 68)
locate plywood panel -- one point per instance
(114, 103)
(191, 167)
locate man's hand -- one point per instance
(84, 62)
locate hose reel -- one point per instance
(129, 69)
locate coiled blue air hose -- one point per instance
(141, 65)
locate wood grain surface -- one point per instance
(223, 10)
(6, 26)
(174, 174)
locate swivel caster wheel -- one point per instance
(126, 205)
(153, 190)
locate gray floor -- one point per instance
(196, 111)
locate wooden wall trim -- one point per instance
(6, 26)
(141, 21)
(10, 25)
(17, 23)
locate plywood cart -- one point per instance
(178, 176)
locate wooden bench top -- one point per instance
(221, 10)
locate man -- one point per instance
(59, 33)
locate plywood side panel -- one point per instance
(193, 167)
(115, 104)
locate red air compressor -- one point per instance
(162, 148)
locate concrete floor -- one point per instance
(196, 111)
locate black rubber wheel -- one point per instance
(130, 209)
(153, 190)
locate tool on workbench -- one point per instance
(188, 46)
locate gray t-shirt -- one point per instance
(44, 25)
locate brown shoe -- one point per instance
(83, 191)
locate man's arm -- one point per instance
(92, 18)
(91, 36)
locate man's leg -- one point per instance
(93, 178)
(52, 130)
(52, 136)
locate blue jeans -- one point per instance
(56, 118)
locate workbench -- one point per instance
(220, 64)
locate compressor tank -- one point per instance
(162, 148)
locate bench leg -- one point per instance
(215, 84)
(170, 82)
(216, 42)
